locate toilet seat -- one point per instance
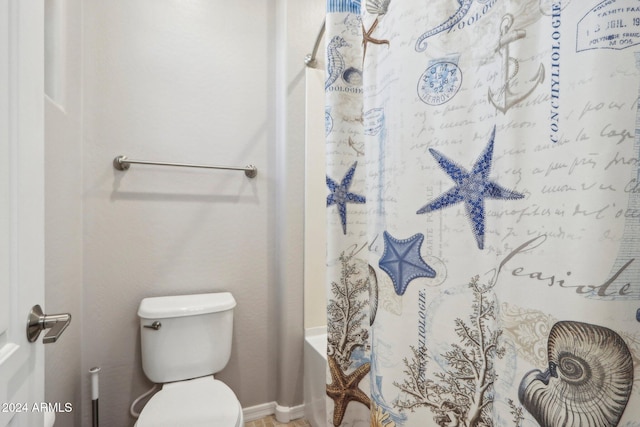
(199, 402)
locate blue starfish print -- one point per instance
(340, 195)
(472, 188)
(402, 261)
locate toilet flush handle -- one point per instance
(155, 325)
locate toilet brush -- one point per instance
(94, 395)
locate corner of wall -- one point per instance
(295, 36)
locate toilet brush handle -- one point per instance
(94, 396)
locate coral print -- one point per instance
(461, 395)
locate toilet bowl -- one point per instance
(198, 402)
(186, 339)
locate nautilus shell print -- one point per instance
(588, 381)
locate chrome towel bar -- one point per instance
(122, 163)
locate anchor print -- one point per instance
(505, 98)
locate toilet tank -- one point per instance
(191, 339)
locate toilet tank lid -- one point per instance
(185, 305)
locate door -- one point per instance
(21, 209)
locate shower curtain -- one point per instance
(483, 204)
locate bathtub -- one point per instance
(315, 376)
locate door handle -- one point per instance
(38, 322)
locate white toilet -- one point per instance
(185, 340)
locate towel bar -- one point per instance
(122, 163)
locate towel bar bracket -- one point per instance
(120, 164)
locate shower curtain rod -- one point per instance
(310, 60)
(122, 163)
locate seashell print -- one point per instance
(373, 295)
(588, 382)
(353, 76)
(377, 7)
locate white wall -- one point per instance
(315, 218)
(63, 207)
(189, 82)
(192, 81)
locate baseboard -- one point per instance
(283, 414)
(259, 411)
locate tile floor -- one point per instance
(270, 421)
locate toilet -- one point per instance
(185, 340)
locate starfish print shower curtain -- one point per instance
(483, 202)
